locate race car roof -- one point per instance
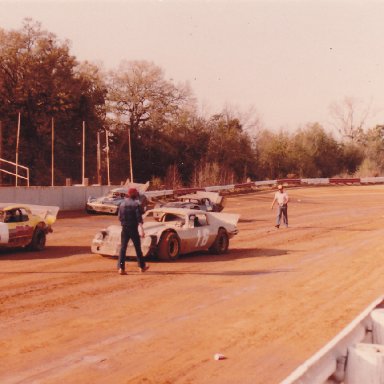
(183, 211)
(215, 197)
(9, 206)
(39, 210)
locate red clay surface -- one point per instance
(269, 304)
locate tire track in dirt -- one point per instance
(267, 305)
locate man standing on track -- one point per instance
(130, 218)
(282, 200)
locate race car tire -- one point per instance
(38, 240)
(221, 243)
(169, 246)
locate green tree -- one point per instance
(142, 103)
(273, 155)
(230, 147)
(41, 80)
(373, 148)
(353, 157)
(318, 154)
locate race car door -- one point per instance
(20, 230)
(198, 236)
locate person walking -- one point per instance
(130, 216)
(282, 199)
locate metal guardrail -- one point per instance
(16, 174)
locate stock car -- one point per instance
(179, 231)
(200, 200)
(109, 204)
(25, 225)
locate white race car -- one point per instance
(206, 201)
(110, 203)
(179, 231)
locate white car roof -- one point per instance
(230, 218)
(179, 211)
(215, 197)
(38, 210)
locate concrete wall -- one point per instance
(75, 197)
(67, 198)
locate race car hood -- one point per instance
(105, 200)
(107, 241)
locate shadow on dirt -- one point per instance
(252, 272)
(233, 254)
(51, 252)
(206, 257)
(153, 272)
(250, 220)
(347, 228)
(74, 214)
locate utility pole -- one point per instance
(17, 148)
(83, 156)
(53, 153)
(130, 153)
(98, 159)
(107, 148)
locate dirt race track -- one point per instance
(269, 304)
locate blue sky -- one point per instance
(287, 59)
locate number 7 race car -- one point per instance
(170, 232)
(25, 225)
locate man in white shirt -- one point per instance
(282, 200)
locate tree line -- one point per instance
(150, 120)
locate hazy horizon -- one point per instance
(288, 59)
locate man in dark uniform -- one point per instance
(130, 218)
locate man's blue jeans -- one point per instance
(130, 233)
(282, 212)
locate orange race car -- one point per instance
(25, 225)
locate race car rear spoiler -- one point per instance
(48, 213)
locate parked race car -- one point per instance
(179, 231)
(201, 200)
(109, 204)
(25, 225)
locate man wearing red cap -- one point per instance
(130, 218)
